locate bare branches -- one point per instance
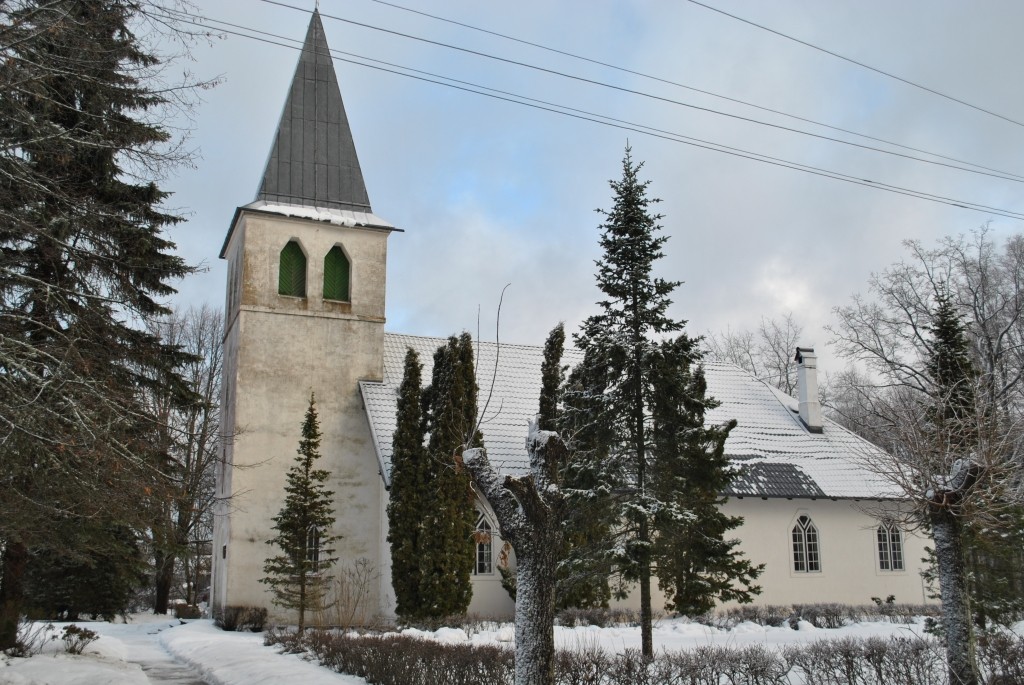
(766, 353)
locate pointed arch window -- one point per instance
(806, 555)
(336, 275)
(313, 548)
(890, 547)
(291, 279)
(483, 537)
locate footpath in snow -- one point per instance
(163, 651)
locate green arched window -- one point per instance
(291, 279)
(336, 275)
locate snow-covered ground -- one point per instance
(223, 658)
(118, 658)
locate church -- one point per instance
(305, 312)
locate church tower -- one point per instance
(304, 314)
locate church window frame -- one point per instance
(806, 546)
(292, 268)
(337, 285)
(483, 539)
(889, 542)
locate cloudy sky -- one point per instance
(489, 192)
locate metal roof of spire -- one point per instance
(313, 161)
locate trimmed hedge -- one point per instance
(399, 660)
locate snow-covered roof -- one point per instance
(338, 217)
(781, 458)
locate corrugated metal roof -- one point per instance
(313, 160)
(779, 456)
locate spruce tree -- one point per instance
(451, 410)
(410, 503)
(623, 355)
(297, 575)
(83, 259)
(696, 564)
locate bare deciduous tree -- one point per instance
(766, 353)
(938, 344)
(189, 433)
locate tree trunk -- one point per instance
(646, 614)
(535, 616)
(956, 605)
(12, 592)
(163, 581)
(302, 604)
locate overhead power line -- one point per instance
(998, 174)
(294, 44)
(677, 84)
(859, 64)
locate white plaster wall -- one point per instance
(849, 553)
(286, 349)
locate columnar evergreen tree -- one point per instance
(583, 570)
(297, 575)
(83, 256)
(450, 412)
(552, 375)
(696, 564)
(410, 504)
(622, 353)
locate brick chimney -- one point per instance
(807, 388)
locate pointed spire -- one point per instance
(313, 161)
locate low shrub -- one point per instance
(240, 618)
(601, 618)
(401, 660)
(187, 611)
(1002, 656)
(765, 615)
(823, 615)
(76, 639)
(32, 635)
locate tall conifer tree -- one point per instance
(623, 360)
(83, 256)
(451, 411)
(410, 504)
(297, 575)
